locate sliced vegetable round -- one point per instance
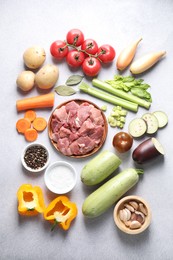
(39, 123)
(30, 114)
(147, 150)
(22, 125)
(152, 123)
(31, 134)
(161, 117)
(137, 127)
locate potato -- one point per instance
(34, 57)
(25, 80)
(47, 76)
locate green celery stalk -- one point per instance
(108, 97)
(106, 87)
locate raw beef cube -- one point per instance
(63, 146)
(55, 125)
(71, 106)
(83, 113)
(96, 116)
(60, 114)
(87, 128)
(86, 144)
(97, 134)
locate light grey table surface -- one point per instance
(25, 23)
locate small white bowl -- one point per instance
(60, 177)
(30, 169)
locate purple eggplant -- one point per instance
(147, 150)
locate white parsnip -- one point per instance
(127, 54)
(146, 62)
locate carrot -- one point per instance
(39, 123)
(41, 101)
(31, 134)
(22, 125)
(30, 114)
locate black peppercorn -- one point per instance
(35, 157)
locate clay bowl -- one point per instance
(121, 224)
(79, 101)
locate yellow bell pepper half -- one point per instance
(30, 200)
(61, 211)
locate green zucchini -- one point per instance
(107, 194)
(99, 168)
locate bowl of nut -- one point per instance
(35, 157)
(132, 215)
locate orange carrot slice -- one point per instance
(39, 123)
(31, 135)
(22, 125)
(30, 114)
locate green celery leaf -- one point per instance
(128, 79)
(142, 93)
(138, 81)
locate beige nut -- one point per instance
(133, 216)
(135, 225)
(128, 214)
(127, 223)
(134, 204)
(121, 215)
(129, 207)
(124, 215)
(140, 217)
(143, 209)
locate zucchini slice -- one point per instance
(161, 117)
(152, 123)
(137, 127)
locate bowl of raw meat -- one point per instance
(77, 128)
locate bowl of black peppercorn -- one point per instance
(35, 157)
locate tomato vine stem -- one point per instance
(84, 51)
